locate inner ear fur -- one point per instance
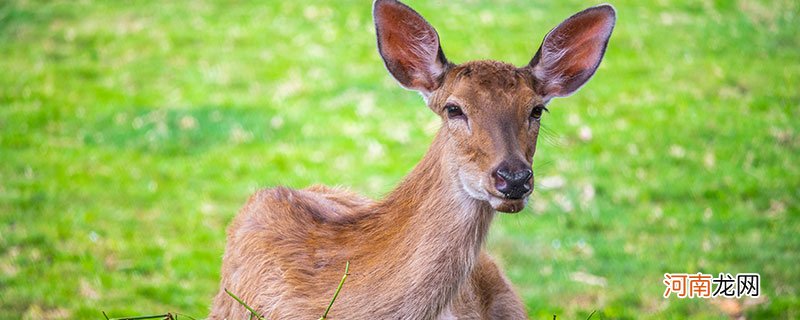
(572, 51)
(409, 46)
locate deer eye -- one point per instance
(454, 111)
(537, 111)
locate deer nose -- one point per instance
(513, 183)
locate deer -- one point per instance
(417, 253)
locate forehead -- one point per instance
(487, 81)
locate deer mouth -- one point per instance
(507, 205)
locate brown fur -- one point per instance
(418, 253)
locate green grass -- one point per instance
(131, 132)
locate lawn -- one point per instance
(131, 133)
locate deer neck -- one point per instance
(442, 231)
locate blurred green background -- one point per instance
(132, 131)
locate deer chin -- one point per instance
(507, 205)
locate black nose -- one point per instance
(513, 183)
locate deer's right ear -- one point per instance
(409, 46)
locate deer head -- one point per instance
(491, 111)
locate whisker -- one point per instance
(550, 136)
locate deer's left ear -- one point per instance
(572, 51)
(409, 46)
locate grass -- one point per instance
(253, 313)
(131, 132)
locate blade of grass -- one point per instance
(168, 315)
(183, 315)
(252, 312)
(155, 316)
(336, 294)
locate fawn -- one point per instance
(418, 253)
